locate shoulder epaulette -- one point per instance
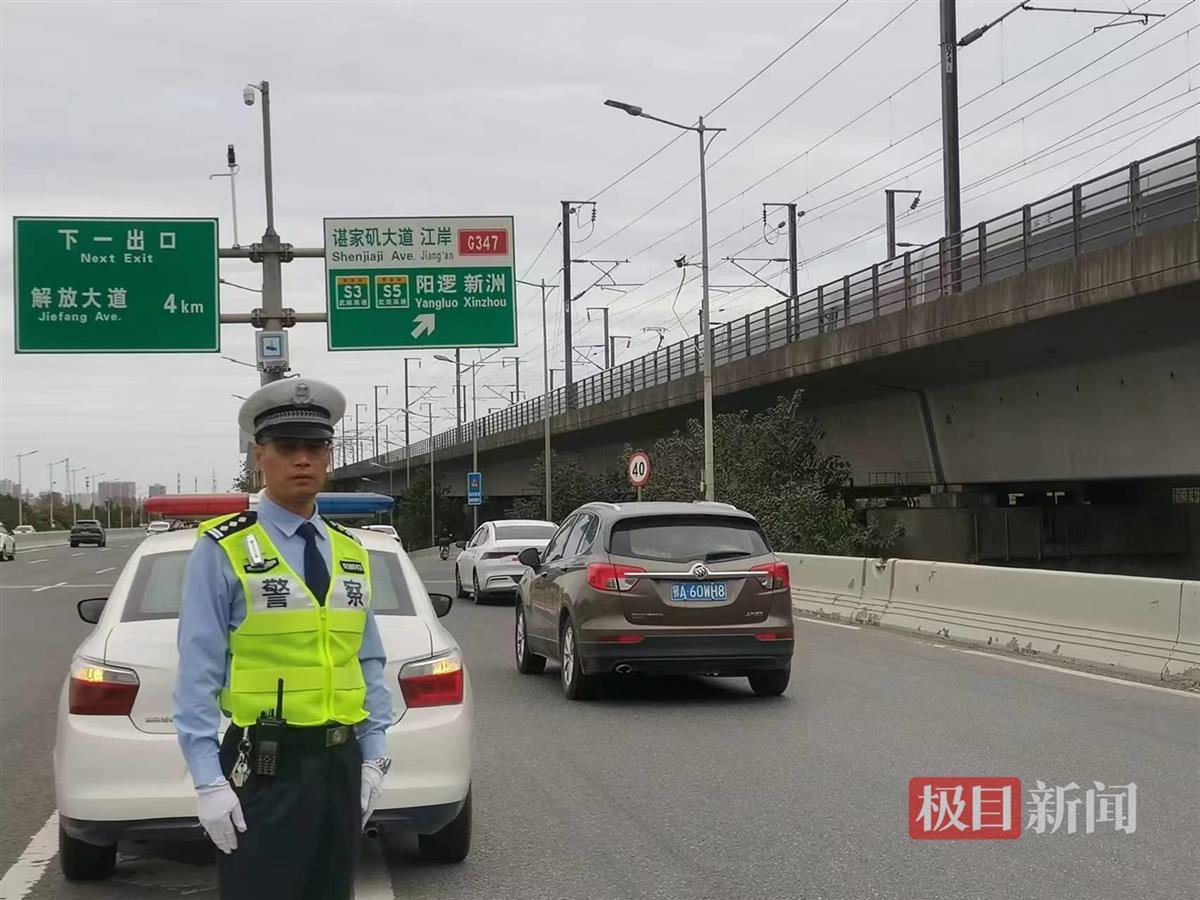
(231, 525)
(340, 529)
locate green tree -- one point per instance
(770, 464)
(247, 479)
(571, 487)
(412, 511)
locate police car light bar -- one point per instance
(203, 506)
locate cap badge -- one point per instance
(302, 395)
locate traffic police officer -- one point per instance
(277, 605)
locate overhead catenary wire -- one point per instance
(745, 84)
(846, 58)
(894, 173)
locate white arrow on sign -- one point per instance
(426, 322)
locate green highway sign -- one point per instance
(115, 285)
(420, 283)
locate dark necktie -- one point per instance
(316, 574)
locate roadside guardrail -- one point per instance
(1148, 625)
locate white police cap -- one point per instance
(293, 407)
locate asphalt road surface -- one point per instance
(694, 788)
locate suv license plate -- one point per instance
(698, 590)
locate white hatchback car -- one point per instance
(158, 526)
(488, 561)
(119, 774)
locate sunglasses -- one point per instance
(292, 446)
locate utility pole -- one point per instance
(566, 294)
(375, 435)
(549, 385)
(432, 483)
(949, 62)
(407, 439)
(612, 347)
(458, 404)
(603, 310)
(358, 433)
(516, 361)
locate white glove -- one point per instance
(372, 786)
(220, 814)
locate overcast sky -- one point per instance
(124, 109)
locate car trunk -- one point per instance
(148, 648)
(507, 551)
(692, 576)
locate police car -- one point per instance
(119, 775)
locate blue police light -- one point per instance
(335, 504)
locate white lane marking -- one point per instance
(27, 871)
(372, 880)
(823, 622)
(1065, 671)
(76, 554)
(109, 569)
(438, 580)
(44, 587)
(34, 562)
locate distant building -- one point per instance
(116, 491)
(8, 486)
(157, 490)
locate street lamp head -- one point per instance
(442, 358)
(248, 95)
(626, 107)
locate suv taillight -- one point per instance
(608, 577)
(433, 682)
(779, 576)
(100, 690)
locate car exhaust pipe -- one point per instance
(371, 831)
(624, 669)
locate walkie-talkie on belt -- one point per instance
(268, 737)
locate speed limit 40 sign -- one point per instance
(639, 469)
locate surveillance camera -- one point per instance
(248, 95)
(681, 262)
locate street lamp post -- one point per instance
(432, 485)
(21, 487)
(272, 248)
(706, 334)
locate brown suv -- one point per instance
(660, 588)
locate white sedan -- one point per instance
(488, 561)
(158, 526)
(119, 774)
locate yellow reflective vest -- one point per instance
(287, 634)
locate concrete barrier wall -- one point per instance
(1149, 625)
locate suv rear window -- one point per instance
(525, 532)
(684, 538)
(157, 589)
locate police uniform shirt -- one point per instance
(213, 606)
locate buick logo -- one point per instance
(699, 570)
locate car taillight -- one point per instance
(100, 690)
(779, 575)
(433, 682)
(608, 577)
(619, 638)
(775, 635)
